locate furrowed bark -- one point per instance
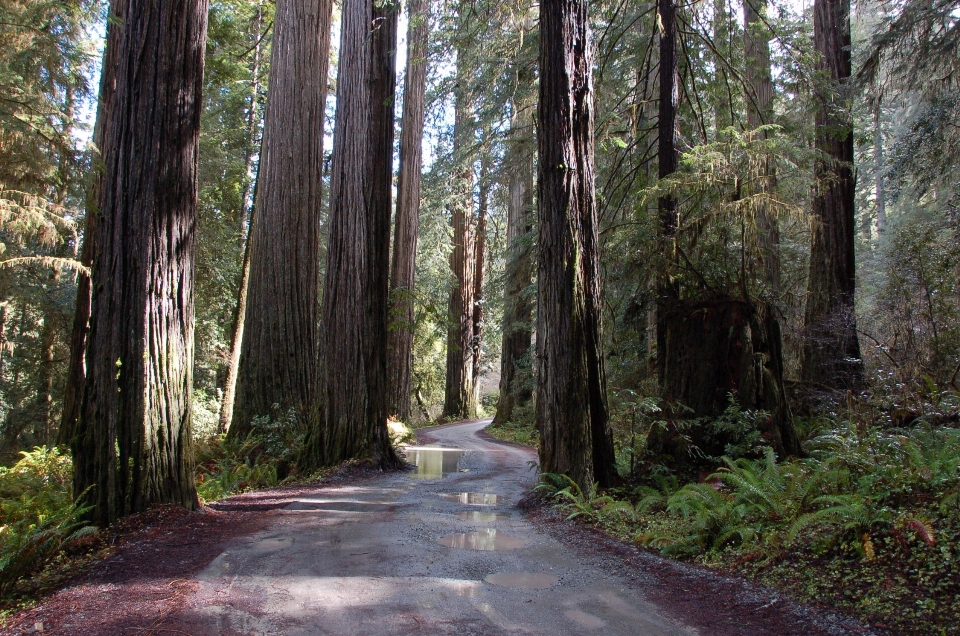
(831, 352)
(133, 446)
(575, 438)
(279, 353)
(403, 267)
(76, 370)
(354, 381)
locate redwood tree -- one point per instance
(76, 372)
(403, 268)
(460, 396)
(354, 381)
(133, 445)
(518, 307)
(831, 352)
(279, 353)
(575, 436)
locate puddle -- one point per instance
(472, 498)
(583, 619)
(433, 462)
(522, 580)
(481, 517)
(485, 539)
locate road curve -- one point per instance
(412, 553)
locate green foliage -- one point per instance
(592, 506)
(38, 518)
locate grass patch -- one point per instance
(524, 433)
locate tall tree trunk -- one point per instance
(878, 163)
(756, 44)
(354, 381)
(277, 375)
(133, 445)
(246, 217)
(43, 427)
(76, 371)
(403, 267)
(479, 275)
(518, 310)
(831, 352)
(459, 394)
(575, 436)
(667, 290)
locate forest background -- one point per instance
(479, 166)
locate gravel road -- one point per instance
(441, 550)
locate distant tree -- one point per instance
(278, 362)
(575, 436)
(831, 351)
(133, 445)
(354, 381)
(403, 268)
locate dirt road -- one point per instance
(439, 550)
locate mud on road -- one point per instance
(441, 549)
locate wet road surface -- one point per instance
(439, 550)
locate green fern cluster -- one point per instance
(38, 518)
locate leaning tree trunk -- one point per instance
(459, 394)
(279, 354)
(575, 436)
(403, 268)
(246, 222)
(76, 371)
(831, 351)
(756, 45)
(133, 446)
(515, 389)
(667, 290)
(354, 381)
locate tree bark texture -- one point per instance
(459, 391)
(279, 352)
(575, 437)
(133, 447)
(515, 388)
(354, 380)
(831, 351)
(403, 266)
(667, 291)
(76, 370)
(479, 276)
(756, 45)
(715, 348)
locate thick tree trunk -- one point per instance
(403, 267)
(76, 370)
(575, 436)
(667, 290)
(831, 352)
(756, 44)
(133, 445)
(515, 390)
(246, 216)
(354, 381)
(279, 354)
(459, 394)
(715, 348)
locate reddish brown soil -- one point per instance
(142, 584)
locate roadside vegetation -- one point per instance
(868, 522)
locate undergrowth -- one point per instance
(868, 523)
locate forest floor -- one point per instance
(453, 547)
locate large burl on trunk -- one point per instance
(714, 348)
